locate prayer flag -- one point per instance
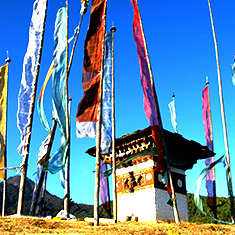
(40, 99)
(58, 76)
(171, 106)
(233, 73)
(149, 100)
(104, 189)
(29, 69)
(210, 177)
(58, 161)
(106, 123)
(205, 171)
(88, 107)
(3, 117)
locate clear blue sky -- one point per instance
(181, 49)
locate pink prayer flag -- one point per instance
(149, 100)
(210, 178)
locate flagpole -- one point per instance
(175, 210)
(82, 12)
(222, 112)
(113, 29)
(213, 159)
(4, 190)
(43, 193)
(67, 166)
(29, 128)
(98, 138)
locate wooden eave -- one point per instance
(179, 149)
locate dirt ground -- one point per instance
(24, 225)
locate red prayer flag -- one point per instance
(88, 107)
(149, 100)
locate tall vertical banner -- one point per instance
(210, 177)
(106, 122)
(171, 106)
(149, 100)
(86, 118)
(29, 69)
(233, 73)
(58, 161)
(3, 115)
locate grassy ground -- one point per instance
(22, 225)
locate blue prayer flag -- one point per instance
(29, 69)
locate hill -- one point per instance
(53, 204)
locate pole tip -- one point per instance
(113, 29)
(173, 95)
(207, 81)
(7, 60)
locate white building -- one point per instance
(140, 191)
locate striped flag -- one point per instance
(86, 118)
(149, 100)
(29, 69)
(3, 117)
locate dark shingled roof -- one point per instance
(182, 153)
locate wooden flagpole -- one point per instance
(68, 108)
(4, 190)
(43, 193)
(84, 5)
(29, 128)
(222, 112)
(212, 149)
(175, 210)
(67, 166)
(98, 138)
(113, 29)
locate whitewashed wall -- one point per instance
(140, 203)
(149, 204)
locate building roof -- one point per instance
(182, 153)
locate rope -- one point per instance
(14, 168)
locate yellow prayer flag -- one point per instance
(3, 112)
